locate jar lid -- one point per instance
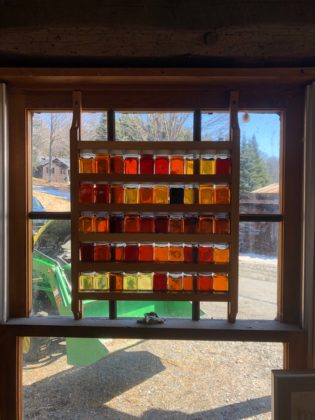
(176, 275)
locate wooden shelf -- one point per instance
(155, 237)
(150, 295)
(156, 208)
(154, 145)
(152, 267)
(153, 179)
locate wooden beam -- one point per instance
(177, 329)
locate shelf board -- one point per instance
(156, 208)
(154, 145)
(152, 267)
(150, 295)
(184, 179)
(155, 237)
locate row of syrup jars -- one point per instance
(154, 194)
(160, 223)
(157, 252)
(148, 164)
(161, 282)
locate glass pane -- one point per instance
(260, 162)
(172, 379)
(94, 126)
(258, 270)
(137, 309)
(150, 126)
(215, 126)
(51, 161)
(51, 267)
(258, 274)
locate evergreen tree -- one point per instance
(253, 170)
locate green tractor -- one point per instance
(52, 297)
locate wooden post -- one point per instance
(75, 137)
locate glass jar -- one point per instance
(205, 282)
(176, 253)
(191, 223)
(159, 282)
(116, 223)
(102, 164)
(222, 224)
(132, 252)
(177, 165)
(146, 164)
(207, 165)
(102, 223)
(177, 194)
(160, 252)
(131, 164)
(161, 165)
(188, 282)
(223, 165)
(132, 194)
(87, 165)
(189, 194)
(145, 281)
(160, 194)
(86, 281)
(206, 222)
(175, 281)
(189, 165)
(102, 194)
(87, 224)
(188, 253)
(161, 223)
(86, 252)
(206, 194)
(117, 164)
(222, 194)
(220, 282)
(101, 281)
(130, 281)
(132, 223)
(147, 223)
(117, 194)
(102, 252)
(146, 252)
(221, 254)
(118, 251)
(116, 282)
(146, 194)
(86, 194)
(205, 253)
(176, 223)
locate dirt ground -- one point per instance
(167, 379)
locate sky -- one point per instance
(266, 128)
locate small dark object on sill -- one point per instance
(151, 318)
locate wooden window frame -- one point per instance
(279, 90)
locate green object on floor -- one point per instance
(85, 351)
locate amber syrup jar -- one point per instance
(102, 164)
(146, 252)
(117, 164)
(161, 165)
(205, 282)
(205, 253)
(102, 194)
(132, 223)
(147, 223)
(160, 252)
(102, 223)
(220, 282)
(87, 224)
(102, 252)
(86, 194)
(146, 165)
(176, 223)
(131, 164)
(175, 281)
(86, 252)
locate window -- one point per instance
(267, 97)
